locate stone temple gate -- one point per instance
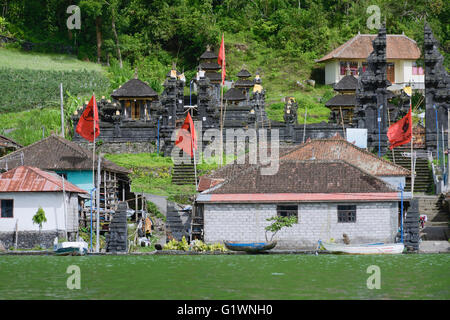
(138, 119)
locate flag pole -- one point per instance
(93, 162)
(193, 151)
(221, 125)
(412, 152)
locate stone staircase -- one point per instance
(423, 180)
(183, 173)
(438, 217)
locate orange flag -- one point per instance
(186, 136)
(400, 132)
(221, 59)
(88, 120)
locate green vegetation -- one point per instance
(279, 38)
(279, 222)
(24, 89)
(39, 218)
(196, 245)
(152, 173)
(18, 59)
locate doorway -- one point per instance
(391, 72)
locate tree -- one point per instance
(279, 223)
(93, 9)
(39, 218)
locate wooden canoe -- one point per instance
(370, 248)
(252, 247)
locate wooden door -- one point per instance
(391, 72)
(135, 110)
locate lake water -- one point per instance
(413, 276)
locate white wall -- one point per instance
(417, 81)
(375, 222)
(27, 203)
(394, 181)
(331, 72)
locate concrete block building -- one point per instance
(328, 198)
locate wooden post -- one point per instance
(97, 244)
(342, 120)
(221, 126)
(448, 149)
(304, 124)
(17, 234)
(389, 121)
(104, 195)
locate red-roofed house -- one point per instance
(23, 191)
(401, 55)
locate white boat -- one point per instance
(370, 248)
(70, 248)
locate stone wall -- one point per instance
(124, 147)
(30, 239)
(375, 222)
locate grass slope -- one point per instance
(18, 59)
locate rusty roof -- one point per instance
(337, 148)
(398, 46)
(30, 179)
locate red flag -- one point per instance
(400, 132)
(221, 59)
(186, 136)
(88, 119)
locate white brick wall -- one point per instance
(375, 222)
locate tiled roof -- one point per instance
(398, 46)
(307, 176)
(347, 83)
(342, 100)
(232, 169)
(56, 153)
(134, 88)
(338, 148)
(30, 179)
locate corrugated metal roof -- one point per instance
(398, 46)
(29, 179)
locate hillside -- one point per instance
(29, 82)
(279, 38)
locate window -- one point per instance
(287, 211)
(6, 208)
(417, 70)
(346, 213)
(364, 66)
(352, 65)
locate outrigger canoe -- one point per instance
(252, 247)
(371, 248)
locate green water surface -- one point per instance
(414, 276)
